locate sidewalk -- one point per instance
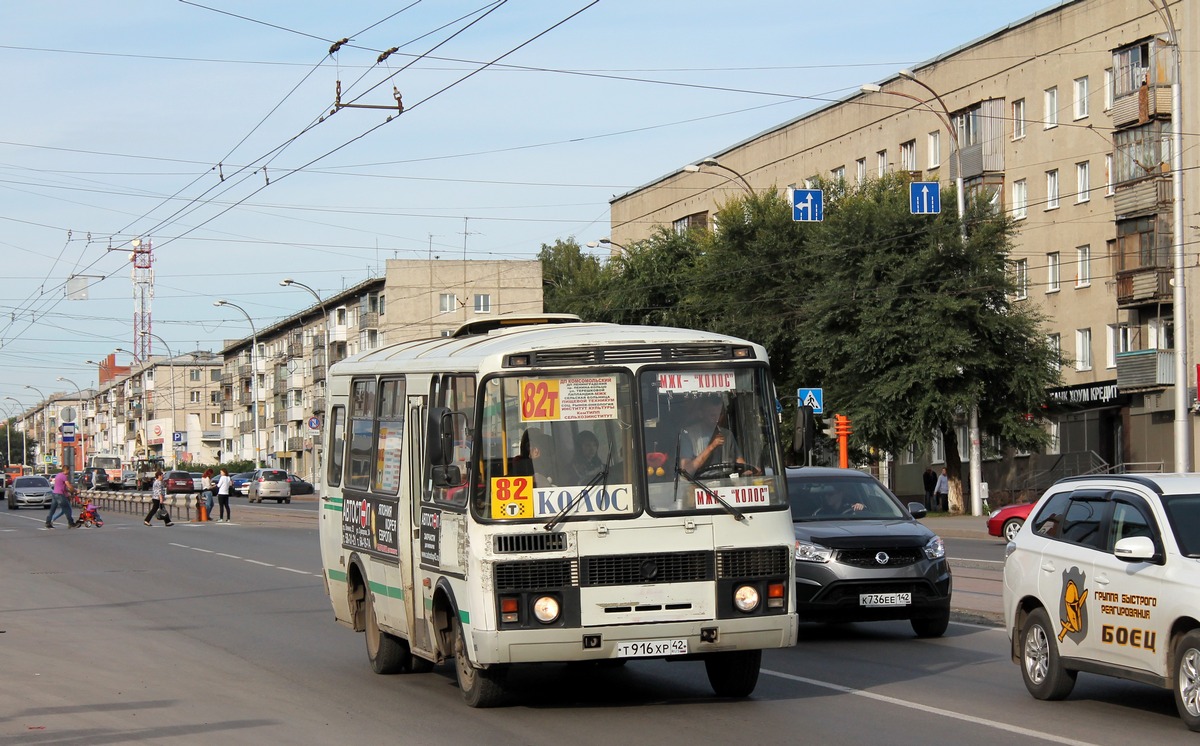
(977, 583)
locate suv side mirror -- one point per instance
(1135, 549)
(918, 510)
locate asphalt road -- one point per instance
(199, 633)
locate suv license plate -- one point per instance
(651, 648)
(884, 599)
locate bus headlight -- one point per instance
(546, 609)
(745, 598)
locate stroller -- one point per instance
(89, 517)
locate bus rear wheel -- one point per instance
(733, 674)
(480, 687)
(388, 654)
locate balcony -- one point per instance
(1145, 369)
(368, 320)
(244, 370)
(295, 443)
(297, 413)
(226, 379)
(318, 373)
(280, 416)
(1144, 286)
(319, 404)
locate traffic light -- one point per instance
(805, 431)
(828, 427)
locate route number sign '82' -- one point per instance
(512, 497)
(539, 400)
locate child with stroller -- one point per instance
(90, 517)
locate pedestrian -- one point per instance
(61, 501)
(206, 491)
(224, 487)
(941, 492)
(929, 479)
(156, 502)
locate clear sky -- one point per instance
(206, 128)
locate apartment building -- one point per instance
(281, 371)
(1063, 120)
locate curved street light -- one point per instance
(253, 371)
(171, 364)
(24, 436)
(712, 163)
(45, 404)
(289, 282)
(607, 242)
(78, 391)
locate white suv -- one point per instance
(1105, 578)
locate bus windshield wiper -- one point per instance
(737, 514)
(600, 475)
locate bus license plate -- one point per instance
(651, 648)
(884, 599)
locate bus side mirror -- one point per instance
(436, 436)
(447, 476)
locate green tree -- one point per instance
(571, 279)
(656, 281)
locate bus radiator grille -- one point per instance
(521, 543)
(536, 574)
(637, 569)
(754, 562)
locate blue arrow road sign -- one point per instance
(924, 198)
(812, 398)
(808, 205)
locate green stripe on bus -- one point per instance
(336, 508)
(386, 590)
(338, 575)
(464, 616)
(337, 500)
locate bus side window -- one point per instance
(458, 395)
(337, 445)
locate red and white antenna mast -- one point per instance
(142, 259)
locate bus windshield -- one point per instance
(544, 439)
(106, 462)
(708, 440)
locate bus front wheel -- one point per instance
(480, 687)
(735, 673)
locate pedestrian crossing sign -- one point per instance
(814, 399)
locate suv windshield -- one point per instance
(840, 498)
(707, 434)
(545, 438)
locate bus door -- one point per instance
(419, 631)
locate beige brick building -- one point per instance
(1063, 119)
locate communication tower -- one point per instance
(142, 259)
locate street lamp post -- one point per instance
(253, 371)
(174, 458)
(24, 436)
(8, 432)
(79, 430)
(109, 441)
(712, 163)
(43, 433)
(976, 457)
(606, 242)
(287, 282)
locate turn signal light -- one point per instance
(509, 610)
(775, 596)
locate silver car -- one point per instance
(862, 556)
(269, 484)
(29, 492)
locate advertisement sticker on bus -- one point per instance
(512, 498)
(566, 399)
(370, 525)
(431, 536)
(747, 496)
(697, 382)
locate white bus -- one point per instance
(111, 466)
(540, 490)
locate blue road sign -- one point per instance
(924, 198)
(814, 399)
(808, 205)
(176, 437)
(67, 432)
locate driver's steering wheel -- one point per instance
(725, 467)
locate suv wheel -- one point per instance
(1044, 676)
(1187, 679)
(932, 626)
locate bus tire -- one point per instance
(733, 673)
(388, 654)
(480, 687)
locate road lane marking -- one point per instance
(206, 551)
(298, 572)
(256, 562)
(1018, 730)
(230, 556)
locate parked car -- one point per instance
(862, 556)
(175, 482)
(270, 484)
(1007, 521)
(241, 482)
(299, 486)
(92, 477)
(129, 479)
(197, 480)
(30, 491)
(1105, 580)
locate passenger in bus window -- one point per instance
(536, 445)
(587, 461)
(703, 442)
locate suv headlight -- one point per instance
(936, 548)
(806, 551)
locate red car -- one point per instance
(1006, 521)
(175, 482)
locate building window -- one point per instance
(194, 375)
(1160, 334)
(447, 302)
(838, 174)
(1018, 119)
(382, 305)
(1052, 271)
(214, 397)
(1083, 189)
(1052, 190)
(372, 339)
(1081, 98)
(1108, 89)
(966, 124)
(1120, 339)
(937, 450)
(1050, 108)
(483, 303)
(860, 169)
(340, 317)
(934, 142)
(1052, 447)
(1131, 67)
(214, 418)
(1083, 267)
(1020, 199)
(1109, 190)
(1055, 343)
(1141, 151)
(695, 220)
(1021, 278)
(1137, 245)
(194, 397)
(881, 162)
(908, 155)
(1083, 349)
